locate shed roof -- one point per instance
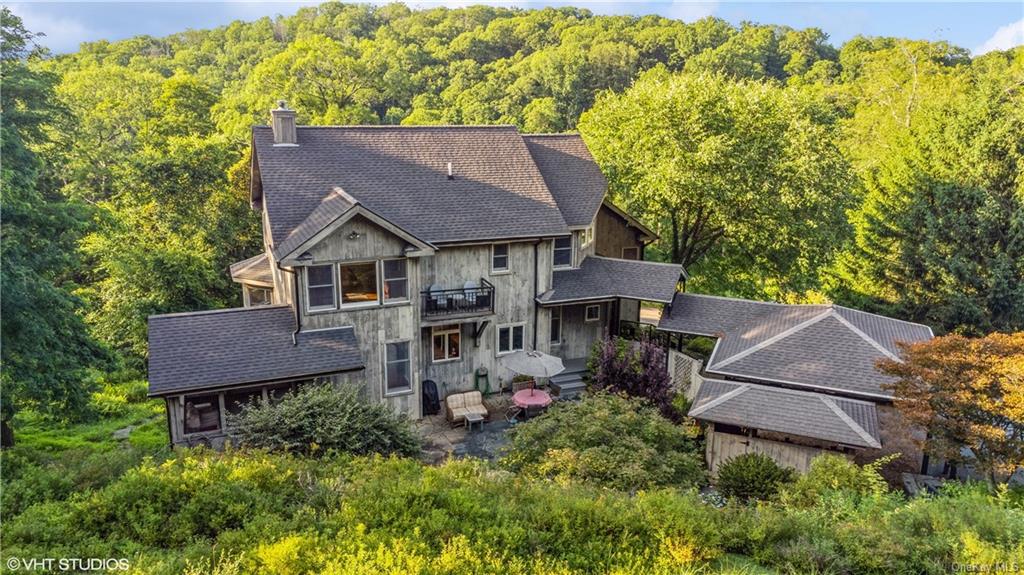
(572, 176)
(223, 348)
(819, 346)
(400, 173)
(802, 413)
(600, 278)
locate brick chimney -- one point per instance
(283, 121)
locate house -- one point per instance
(393, 255)
(792, 381)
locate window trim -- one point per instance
(335, 278)
(436, 330)
(383, 282)
(586, 313)
(510, 327)
(247, 299)
(377, 285)
(555, 249)
(508, 258)
(588, 236)
(384, 375)
(624, 248)
(556, 313)
(221, 420)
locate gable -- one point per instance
(358, 239)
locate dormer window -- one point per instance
(320, 288)
(562, 256)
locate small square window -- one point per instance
(510, 338)
(593, 313)
(446, 341)
(632, 253)
(202, 413)
(499, 257)
(562, 256)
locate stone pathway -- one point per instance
(441, 441)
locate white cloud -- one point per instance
(1006, 37)
(61, 34)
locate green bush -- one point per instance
(831, 472)
(322, 418)
(610, 440)
(752, 476)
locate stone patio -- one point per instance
(441, 441)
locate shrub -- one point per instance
(831, 472)
(612, 440)
(752, 476)
(635, 368)
(322, 418)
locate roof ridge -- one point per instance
(219, 311)
(400, 127)
(740, 388)
(790, 391)
(777, 337)
(669, 264)
(754, 301)
(885, 317)
(850, 422)
(872, 341)
(552, 135)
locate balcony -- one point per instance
(473, 299)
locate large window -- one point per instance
(556, 325)
(358, 283)
(257, 296)
(499, 257)
(320, 287)
(397, 369)
(396, 280)
(510, 338)
(447, 340)
(202, 413)
(562, 252)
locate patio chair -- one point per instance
(458, 405)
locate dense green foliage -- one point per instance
(608, 440)
(751, 476)
(253, 512)
(318, 419)
(46, 347)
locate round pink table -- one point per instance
(531, 399)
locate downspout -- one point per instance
(536, 286)
(295, 303)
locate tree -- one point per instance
(939, 147)
(745, 180)
(46, 348)
(965, 393)
(635, 368)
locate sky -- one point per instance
(977, 26)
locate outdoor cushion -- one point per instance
(455, 401)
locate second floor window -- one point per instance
(447, 340)
(499, 258)
(563, 252)
(358, 283)
(320, 287)
(396, 280)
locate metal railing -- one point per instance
(666, 339)
(459, 301)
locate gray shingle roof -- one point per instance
(822, 346)
(604, 278)
(400, 173)
(206, 350)
(788, 411)
(575, 180)
(255, 269)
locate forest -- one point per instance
(883, 174)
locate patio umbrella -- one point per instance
(534, 363)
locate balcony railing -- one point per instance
(470, 300)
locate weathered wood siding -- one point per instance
(578, 335)
(514, 295)
(722, 447)
(613, 233)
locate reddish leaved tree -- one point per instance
(634, 368)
